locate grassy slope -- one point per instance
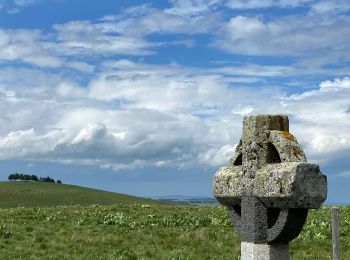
(33, 194)
(133, 228)
(141, 231)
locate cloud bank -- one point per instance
(137, 115)
(101, 92)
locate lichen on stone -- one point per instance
(286, 182)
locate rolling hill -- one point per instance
(38, 194)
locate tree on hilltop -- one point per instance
(25, 177)
(46, 179)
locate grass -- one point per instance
(38, 194)
(143, 231)
(136, 229)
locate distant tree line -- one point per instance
(26, 177)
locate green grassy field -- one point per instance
(142, 230)
(38, 194)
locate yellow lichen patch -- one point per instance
(288, 136)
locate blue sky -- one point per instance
(148, 97)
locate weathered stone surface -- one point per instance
(281, 185)
(258, 224)
(270, 164)
(287, 146)
(268, 187)
(251, 251)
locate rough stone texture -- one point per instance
(251, 251)
(254, 223)
(275, 225)
(270, 164)
(268, 187)
(282, 185)
(287, 146)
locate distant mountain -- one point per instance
(187, 200)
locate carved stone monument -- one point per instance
(268, 187)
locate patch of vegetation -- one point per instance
(146, 231)
(315, 241)
(26, 177)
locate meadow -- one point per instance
(39, 194)
(135, 229)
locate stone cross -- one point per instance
(268, 187)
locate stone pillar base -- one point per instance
(251, 251)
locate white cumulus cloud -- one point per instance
(256, 4)
(292, 36)
(136, 114)
(335, 84)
